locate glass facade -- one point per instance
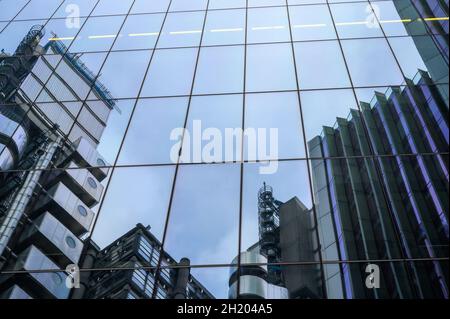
(283, 148)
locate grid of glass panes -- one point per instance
(144, 280)
(148, 252)
(293, 65)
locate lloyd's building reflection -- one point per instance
(45, 211)
(53, 112)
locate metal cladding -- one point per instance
(14, 68)
(13, 136)
(402, 121)
(45, 285)
(45, 212)
(298, 244)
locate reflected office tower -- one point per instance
(137, 254)
(50, 169)
(386, 207)
(433, 49)
(286, 235)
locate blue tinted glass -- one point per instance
(10, 8)
(267, 25)
(219, 212)
(171, 72)
(183, 5)
(73, 8)
(153, 122)
(182, 29)
(329, 72)
(135, 200)
(263, 3)
(220, 70)
(279, 112)
(311, 23)
(39, 9)
(140, 32)
(98, 34)
(124, 81)
(145, 6)
(356, 20)
(108, 7)
(225, 27)
(270, 67)
(226, 4)
(371, 62)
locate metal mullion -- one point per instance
(248, 44)
(371, 147)
(94, 81)
(114, 166)
(177, 167)
(8, 22)
(245, 161)
(250, 92)
(203, 266)
(316, 223)
(183, 11)
(242, 166)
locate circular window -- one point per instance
(57, 279)
(92, 182)
(70, 242)
(100, 162)
(82, 210)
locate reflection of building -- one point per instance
(43, 212)
(433, 48)
(254, 280)
(286, 236)
(385, 207)
(138, 249)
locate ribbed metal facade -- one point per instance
(434, 50)
(385, 207)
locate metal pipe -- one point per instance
(22, 199)
(88, 263)
(179, 292)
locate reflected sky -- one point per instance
(147, 141)
(204, 218)
(324, 107)
(143, 194)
